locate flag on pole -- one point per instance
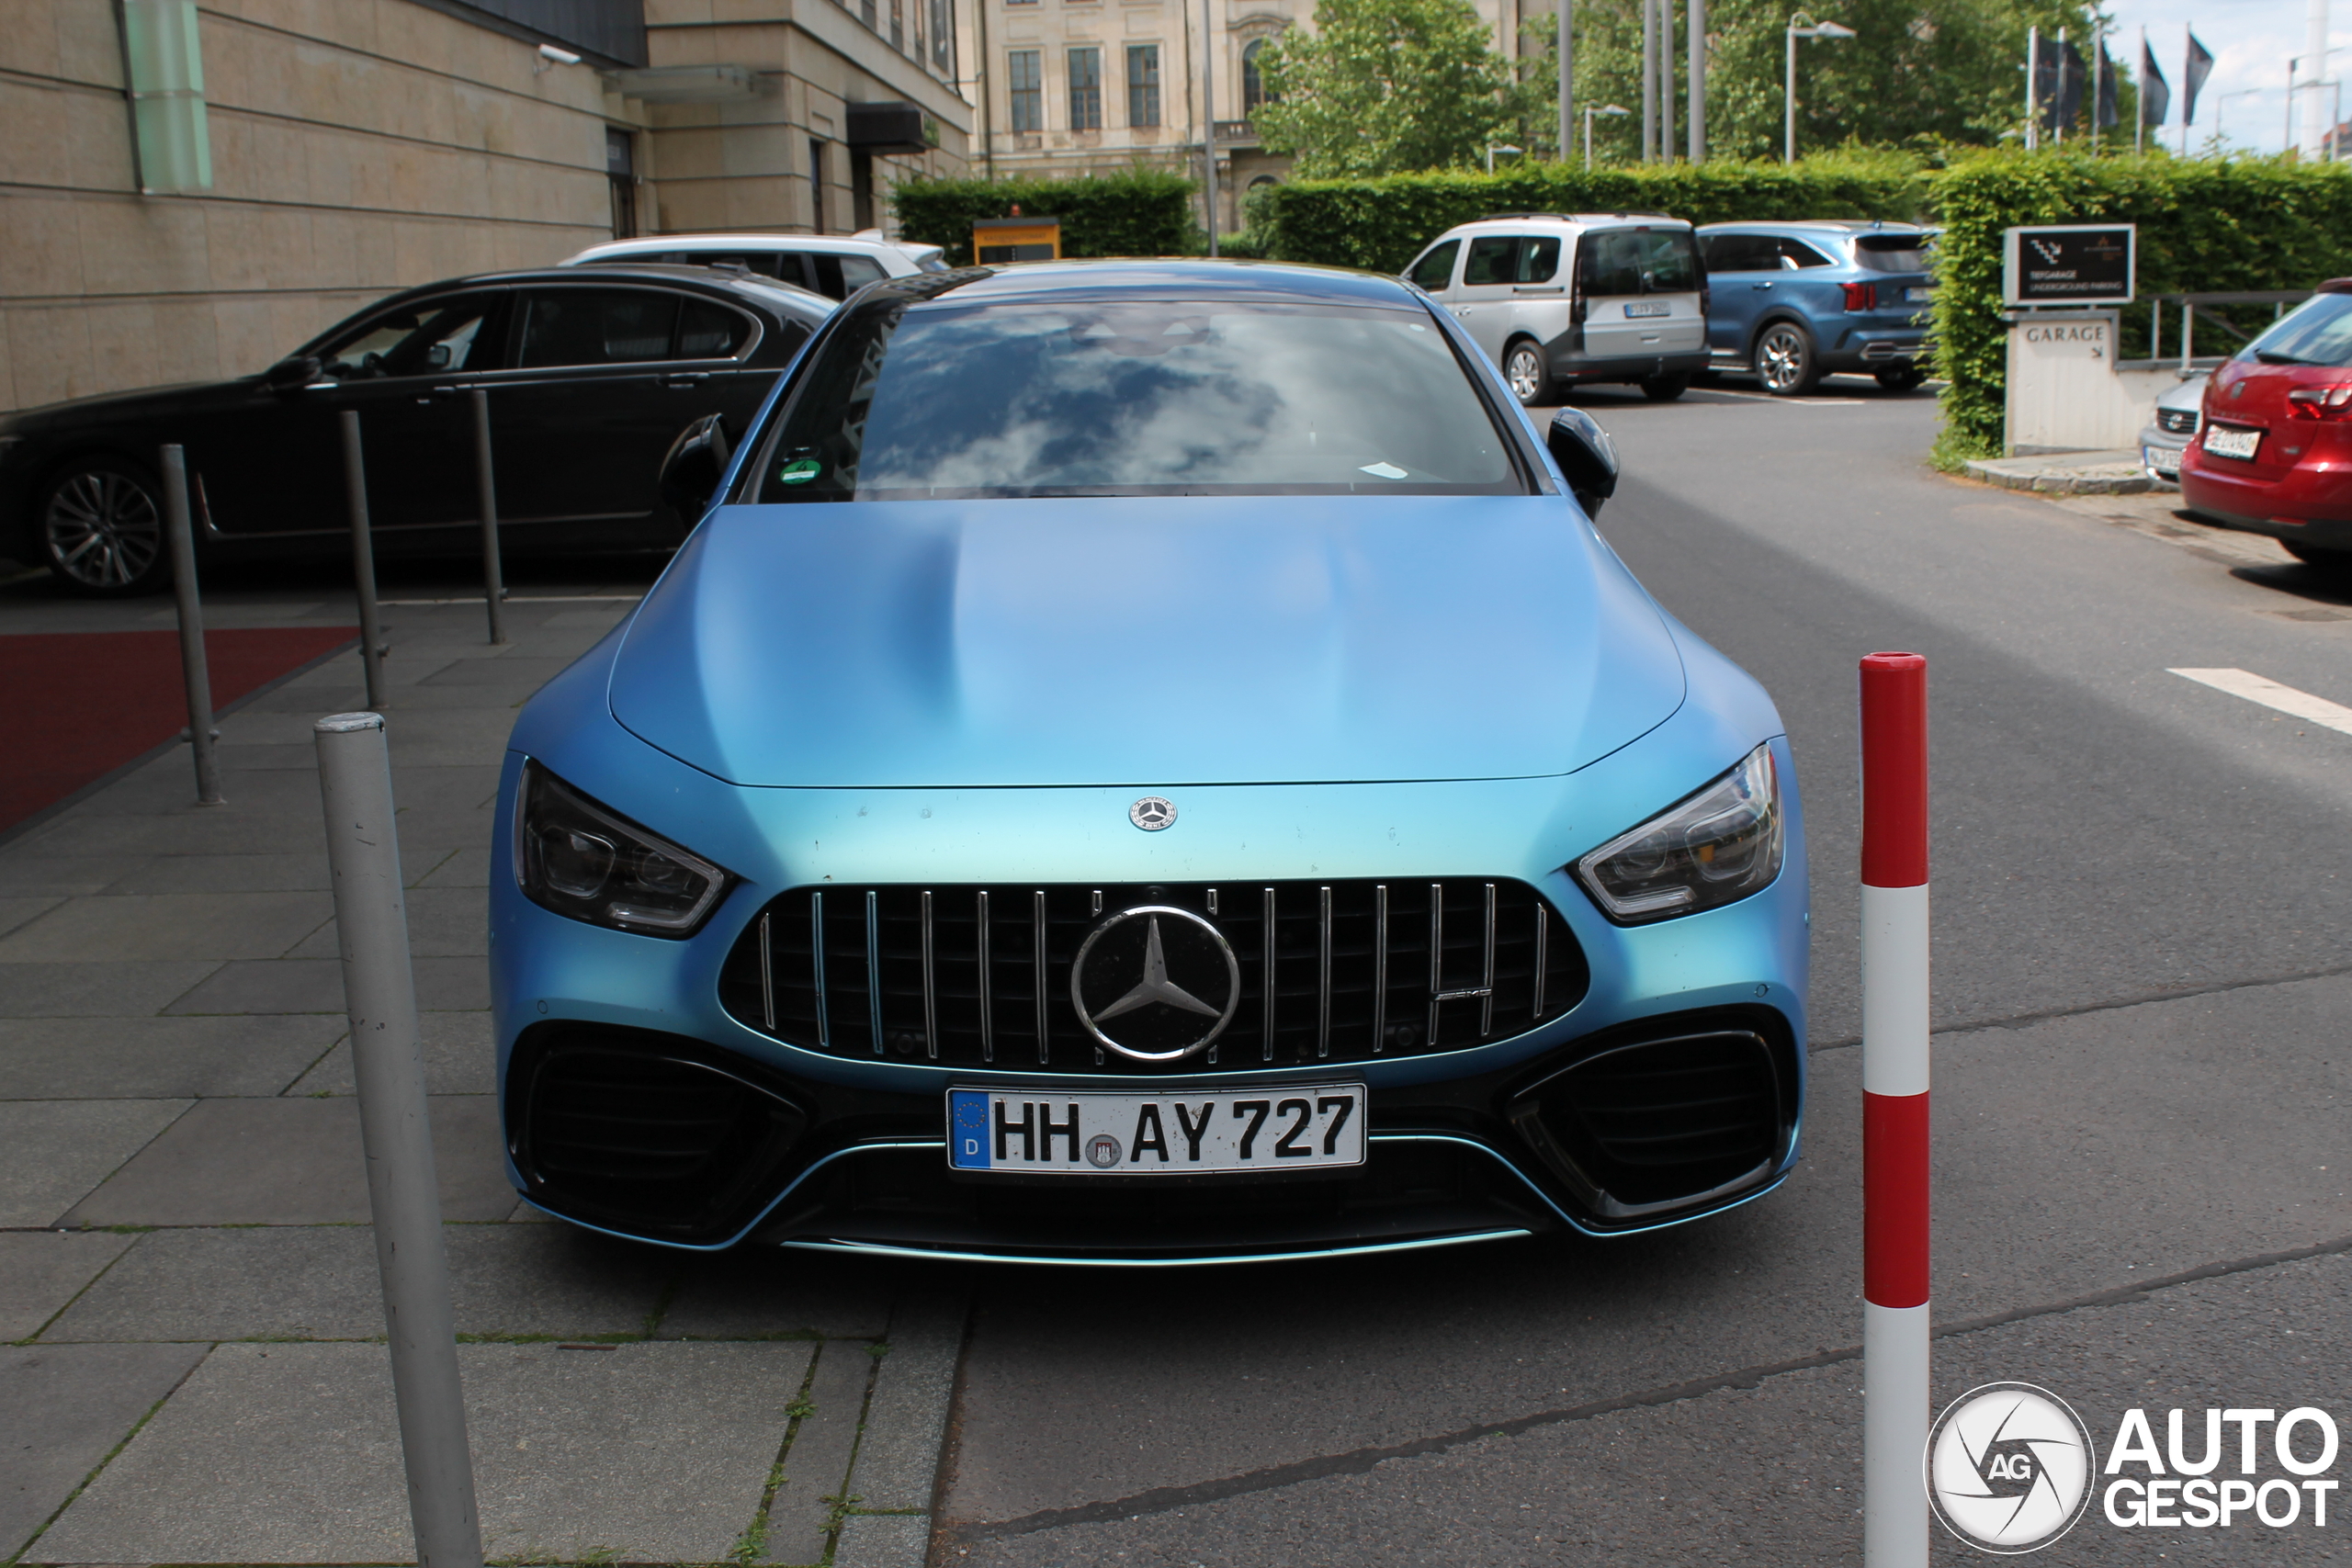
(2073, 72)
(2192, 77)
(2108, 115)
(2156, 93)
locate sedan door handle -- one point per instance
(684, 378)
(1759, 285)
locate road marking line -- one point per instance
(2271, 694)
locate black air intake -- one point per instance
(1652, 1125)
(631, 1130)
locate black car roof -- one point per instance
(776, 295)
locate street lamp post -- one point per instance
(1589, 112)
(1495, 147)
(1802, 26)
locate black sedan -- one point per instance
(591, 379)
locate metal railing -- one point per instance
(2193, 303)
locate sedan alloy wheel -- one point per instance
(1784, 360)
(104, 530)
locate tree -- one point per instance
(1915, 71)
(1384, 87)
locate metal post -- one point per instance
(1649, 80)
(1666, 81)
(2140, 103)
(1567, 61)
(1788, 102)
(1208, 108)
(1697, 69)
(194, 668)
(403, 1191)
(494, 573)
(363, 561)
(2032, 88)
(2155, 326)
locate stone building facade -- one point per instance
(1067, 88)
(188, 190)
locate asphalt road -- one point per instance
(2140, 886)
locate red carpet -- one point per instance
(76, 706)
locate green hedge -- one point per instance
(1138, 212)
(1382, 223)
(2204, 225)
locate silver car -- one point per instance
(2172, 427)
(1557, 298)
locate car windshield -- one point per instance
(2317, 332)
(1133, 397)
(1893, 252)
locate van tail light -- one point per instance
(1861, 295)
(2320, 402)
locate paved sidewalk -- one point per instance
(193, 1369)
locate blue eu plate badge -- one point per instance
(967, 1129)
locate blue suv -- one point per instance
(1793, 303)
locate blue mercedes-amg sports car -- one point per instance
(1144, 763)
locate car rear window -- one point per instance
(1893, 252)
(1637, 261)
(2317, 332)
(1132, 397)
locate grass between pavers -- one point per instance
(105, 1460)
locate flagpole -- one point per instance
(2032, 87)
(2140, 101)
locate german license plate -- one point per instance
(1043, 1132)
(1918, 295)
(2162, 459)
(2224, 442)
(1655, 308)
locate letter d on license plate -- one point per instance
(1042, 1133)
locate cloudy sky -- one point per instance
(2251, 40)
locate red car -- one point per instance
(2276, 454)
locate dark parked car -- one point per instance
(592, 376)
(1793, 303)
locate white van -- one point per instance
(836, 266)
(1558, 297)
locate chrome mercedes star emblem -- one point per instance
(1152, 813)
(1166, 978)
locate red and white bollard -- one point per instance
(1894, 1110)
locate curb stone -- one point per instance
(897, 1467)
(2058, 476)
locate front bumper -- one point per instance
(2160, 452)
(843, 1146)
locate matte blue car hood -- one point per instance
(1144, 642)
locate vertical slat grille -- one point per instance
(1339, 971)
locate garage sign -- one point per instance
(2068, 264)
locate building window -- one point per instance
(816, 185)
(899, 24)
(943, 37)
(171, 136)
(1143, 83)
(867, 15)
(1026, 76)
(1253, 83)
(1086, 89)
(621, 173)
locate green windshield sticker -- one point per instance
(800, 472)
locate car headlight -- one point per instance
(1715, 848)
(576, 858)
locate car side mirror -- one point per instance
(1585, 456)
(289, 374)
(691, 469)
